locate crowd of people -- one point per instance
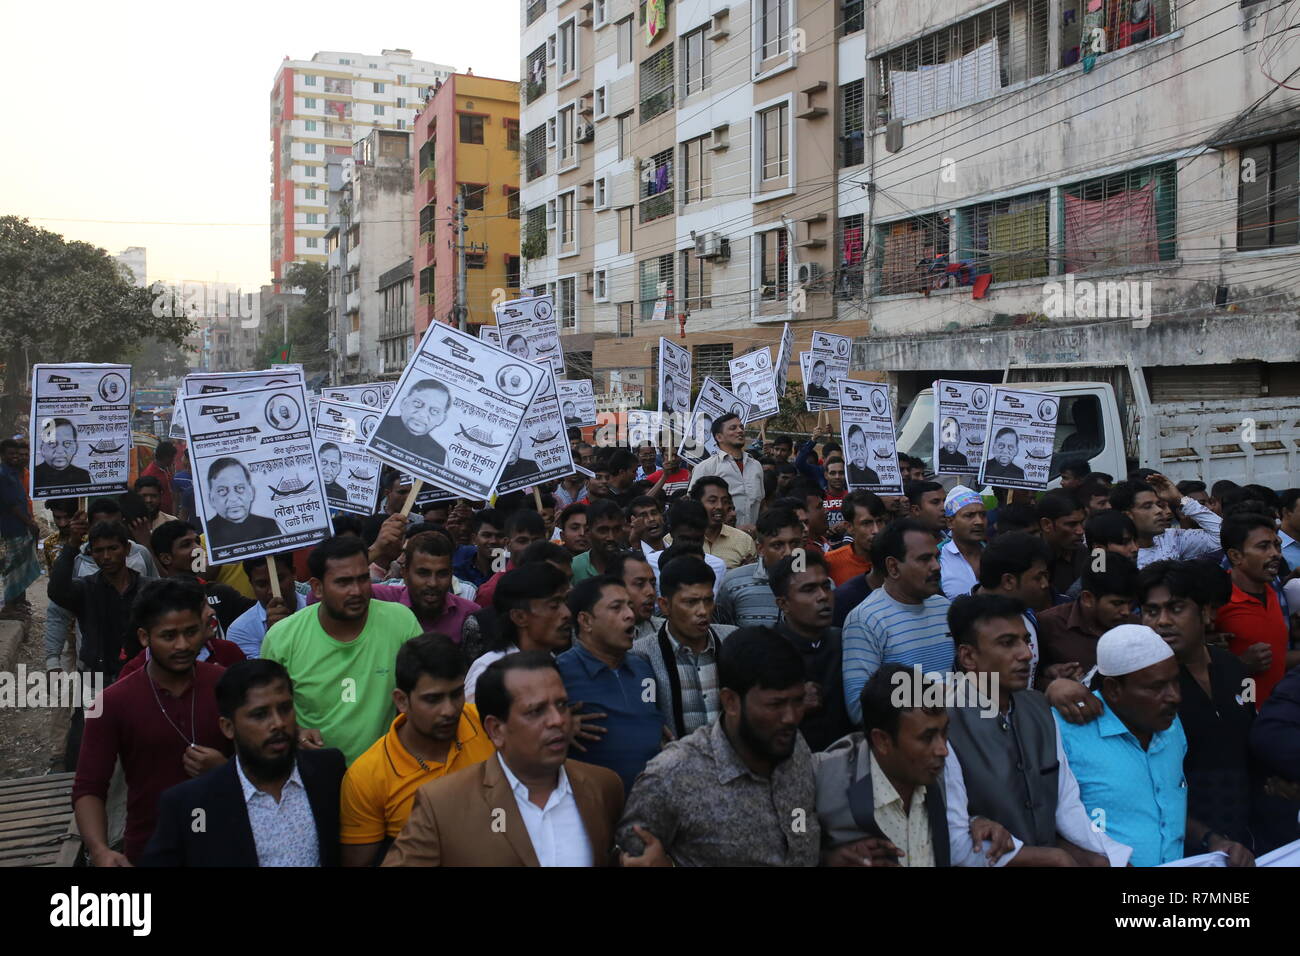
(740, 663)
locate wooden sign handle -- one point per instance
(275, 577)
(416, 485)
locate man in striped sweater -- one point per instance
(906, 620)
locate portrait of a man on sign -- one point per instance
(949, 442)
(232, 493)
(860, 470)
(331, 463)
(518, 466)
(422, 409)
(517, 346)
(571, 414)
(58, 446)
(817, 387)
(1006, 445)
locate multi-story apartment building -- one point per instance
(1147, 148)
(692, 170)
(319, 108)
(132, 260)
(368, 238)
(466, 141)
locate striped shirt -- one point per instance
(746, 598)
(882, 630)
(1184, 544)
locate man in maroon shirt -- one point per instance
(161, 721)
(162, 468)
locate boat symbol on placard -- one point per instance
(105, 448)
(359, 474)
(290, 486)
(479, 437)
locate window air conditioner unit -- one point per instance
(809, 272)
(712, 245)
(584, 133)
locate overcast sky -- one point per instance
(155, 117)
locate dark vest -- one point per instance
(1010, 765)
(863, 807)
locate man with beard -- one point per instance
(150, 491)
(959, 558)
(331, 463)
(160, 722)
(1253, 615)
(860, 470)
(1129, 761)
(273, 805)
(606, 531)
(1006, 445)
(736, 792)
(632, 568)
(422, 409)
(599, 672)
(949, 444)
(340, 651)
(58, 447)
(426, 587)
(231, 494)
(435, 733)
(905, 620)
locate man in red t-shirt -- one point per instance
(673, 477)
(864, 517)
(162, 468)
(1260, 633)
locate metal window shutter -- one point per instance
(1197, 383)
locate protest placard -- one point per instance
(177, 427)
(713, 402)
(490, 334)
(753, 383)
(208, 383)
(823, 366)
(577, 402)
(1019, 437)
(961, 411)
(374, 395)
(80, 430)
(540, 452)
(784, 356)
(258, 488)
(349, 472)
(867, 426)
(456, 411)
(529, 329)
(674, 384)
(643, 427)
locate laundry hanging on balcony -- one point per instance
(945, 86)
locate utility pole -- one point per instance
(460, 312)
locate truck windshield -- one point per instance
(916, 434)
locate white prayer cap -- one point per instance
(959, 498)
(1128, 648)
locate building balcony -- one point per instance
(354, 258)
(354, 301)
(334, 258)
(658, 206)
(354, 344)
(427, 173)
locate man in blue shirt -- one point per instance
(473, 562)
(610, 684)
(249, 629)
(1129, 761)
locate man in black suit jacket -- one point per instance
(273, 805)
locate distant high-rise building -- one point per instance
(132, 259)
(319, 108)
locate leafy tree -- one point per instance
(309, 321)
(66, 301)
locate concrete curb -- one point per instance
(11, 642)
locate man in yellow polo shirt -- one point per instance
(435, 733)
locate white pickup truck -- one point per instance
(1245, 440)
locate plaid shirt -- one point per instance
(698, 673)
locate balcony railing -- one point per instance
(657, 206)
(427, 173)
(354, 301)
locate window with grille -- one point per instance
(774, 257)
(471, 129)
(1121, 220)
(476, 260)
(911, 251)
(1268, 195)
(512, 135)
(1007, 237)
(566, 303)
(656, 285)
(963, 63)
(657, 186)
(535, 75)
(1119, 24)
(697, 282)
(697, 170)
(657, 84)
(850, 257)
(534, 10)
(712, 361)
(566, 222)
(774, 147)
(512, 272)
(852, 124)
(851, 19)
(426, 281)
(695, 62)
(427, 214)
(535, 154)
(773, 28)
(512, 202)
(473, 195)
(534, 238)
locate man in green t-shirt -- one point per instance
(341, 652)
